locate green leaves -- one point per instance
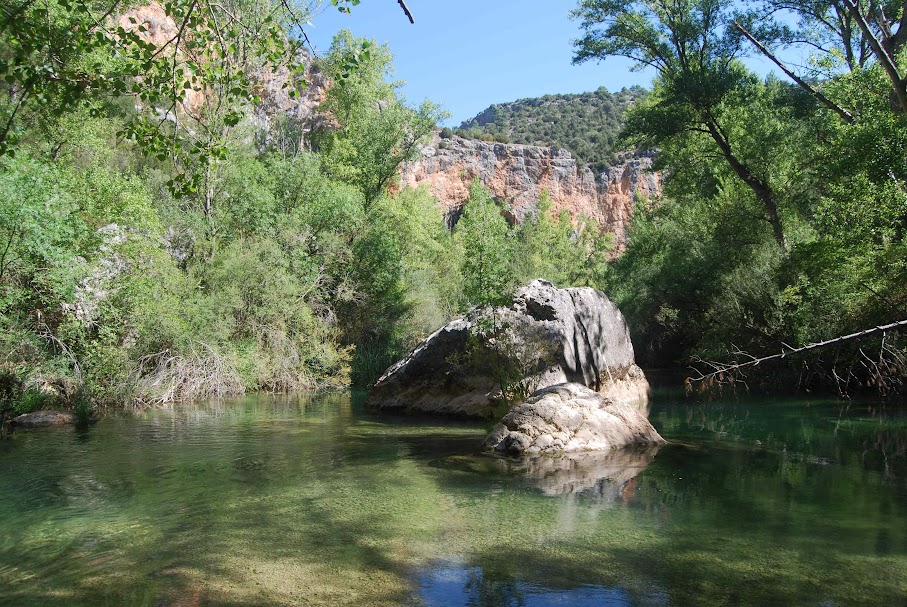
(186, 63)
(488, 248)
(377, 130)
(344, 5)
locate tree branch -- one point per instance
(721, 368)
(887, 61)
(406, 10)
(837, 109)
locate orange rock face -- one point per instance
(270, 82)
(518, 174)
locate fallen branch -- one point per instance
(720, 370)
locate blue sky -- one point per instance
(468, 54)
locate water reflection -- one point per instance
(309, 501)
(608, 476)
(457, 584)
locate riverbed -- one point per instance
(310, 501)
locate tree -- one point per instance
(488, 278)
(694, 49)
(846, 34)
(186, 64)
(376, 131)
(553, 247)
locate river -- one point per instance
(310, 501)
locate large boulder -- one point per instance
(570, 418)
(546, 336)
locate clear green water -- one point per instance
(310, 502)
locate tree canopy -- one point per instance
(703, 276)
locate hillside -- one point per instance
(586, 124)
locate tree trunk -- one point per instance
(761, 189)
(880, 50)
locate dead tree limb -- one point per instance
(722, 369)
(837, 109)
(406, 10)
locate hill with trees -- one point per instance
(586, 124)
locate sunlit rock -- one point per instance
(519, 174)
(571, 418)
(546, 336)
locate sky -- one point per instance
(469, 54)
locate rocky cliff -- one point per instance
(518, 174)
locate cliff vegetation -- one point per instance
(586, 124)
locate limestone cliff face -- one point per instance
(518, 174)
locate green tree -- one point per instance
(694, 49)
(376, 131)
(488, 277)
(556, 248)
(61, 55)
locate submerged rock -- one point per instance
(571, 418)
(39, 419)
(546, 336)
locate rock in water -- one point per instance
(569, 418)
(546, 336)
(38, 419)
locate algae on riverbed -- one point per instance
(308, 502)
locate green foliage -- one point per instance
(554, 248)
(431, 260)
(60, 56)
(586, 124)
(487, 250)
(700, 276)
(377, 130)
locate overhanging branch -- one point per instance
(837, 109)
(719, 369)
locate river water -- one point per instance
(310, 501)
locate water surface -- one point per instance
(308, 501)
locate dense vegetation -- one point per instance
(785, 210)
(587, 124)
(160, 241)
